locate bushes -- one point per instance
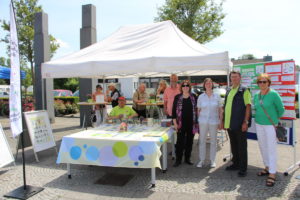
(62, 108)
(68, 99)
(66, 105)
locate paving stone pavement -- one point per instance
(185, 182)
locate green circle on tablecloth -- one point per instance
(120, 149)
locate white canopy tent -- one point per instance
(157, 49)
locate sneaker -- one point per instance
(213, 164)
(200, 164)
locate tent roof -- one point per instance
(156, 49)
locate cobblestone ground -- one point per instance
(185, 182)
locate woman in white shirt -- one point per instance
(210, 114)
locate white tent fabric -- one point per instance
(156, 49)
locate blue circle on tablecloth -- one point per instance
(141, 158)
(136, 163)
(85, 146)
(75, 152)
(135, 152)
(148, 147)
(92, 153)
(107, 157)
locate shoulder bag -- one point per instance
(280, 130)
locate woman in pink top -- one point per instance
(98, 107)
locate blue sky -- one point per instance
(259, 27)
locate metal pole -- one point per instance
(22, 134)
(23, 159)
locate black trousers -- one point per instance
(141, 113)
(184, 144)
(238, 143)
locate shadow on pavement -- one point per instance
(251, 186)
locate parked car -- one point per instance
(62, 93)
(76, 93)
(4, 94)
(220, 91)
(197, 90)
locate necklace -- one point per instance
(261, 99)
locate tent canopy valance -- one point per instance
(156, 49)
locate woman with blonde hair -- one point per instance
(268, 109)
(161, 87)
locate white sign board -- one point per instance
(6, 156)
(39, 129)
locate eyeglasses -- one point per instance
(185, 85)
(259, 82)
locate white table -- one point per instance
(139, 147)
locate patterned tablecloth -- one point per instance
(139, 147)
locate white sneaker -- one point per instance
(200, 164)
(213, 164)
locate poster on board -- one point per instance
(39, 129)
(6, 156)
(249, 72)
(283, 77)
(286, 123)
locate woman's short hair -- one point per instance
(185, 82)
(264, 76)
(98, 86)
(204, 82)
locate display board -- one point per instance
(39, 129)
(249, 74)
(6, 156)
(283, 77)
(288, 124)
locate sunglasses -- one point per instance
(185, 85)
(259, 82)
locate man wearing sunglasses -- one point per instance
(236, 120)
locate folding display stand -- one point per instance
(296, 163)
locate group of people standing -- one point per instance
(207, 114)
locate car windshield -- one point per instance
(55, 93)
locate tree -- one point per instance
(199, 19)
(66, 83)
(25, 11)
(247, 57)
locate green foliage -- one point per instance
(28, 79)
(62, 107)
(68, 99)
(247, 57)
(67, 84)
(25, 11)
(199, 19)
(59, 107)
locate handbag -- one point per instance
(281, 132)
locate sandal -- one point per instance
(270, 182)
(264, 172)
